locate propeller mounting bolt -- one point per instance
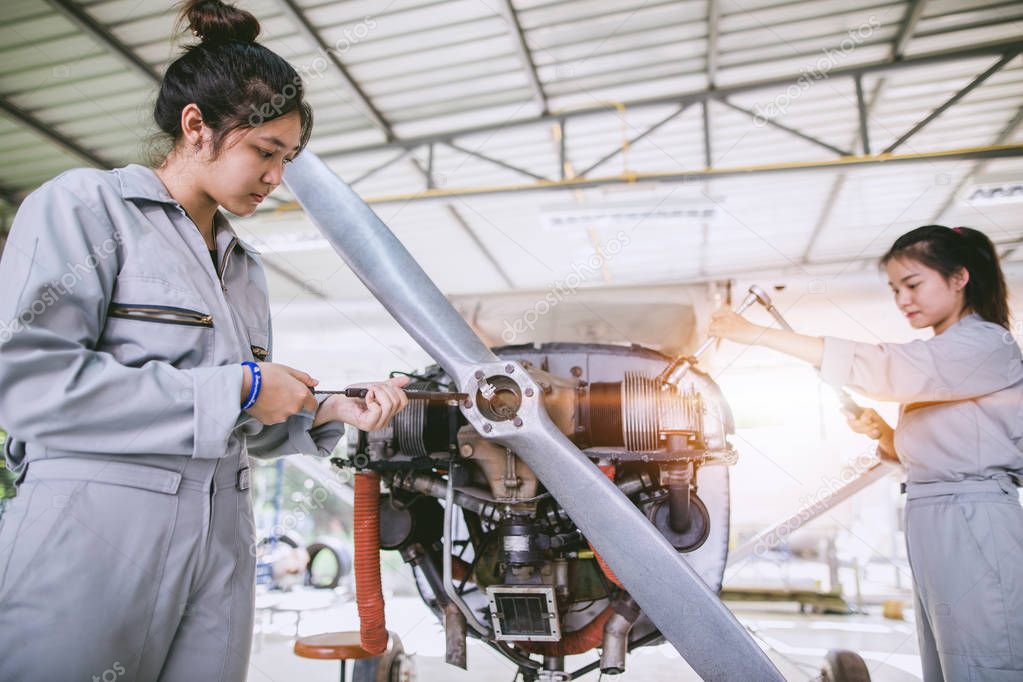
(487, 428)
(529, 392)
(509, 368)
(517, 421)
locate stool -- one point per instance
(332, 646)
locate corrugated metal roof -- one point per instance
(503, 81)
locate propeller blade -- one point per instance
(673, 596)
(384, 265)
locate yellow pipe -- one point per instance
(634, 177)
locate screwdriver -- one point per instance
(412, 395)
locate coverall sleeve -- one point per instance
(58, 268)
(959, 364)
(294, 436)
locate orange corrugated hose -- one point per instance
(609, 471)
(580, 641)
(369, 596)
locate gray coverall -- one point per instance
(128, 551)
(958, 435)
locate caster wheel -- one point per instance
(841, 665)
(394, 665)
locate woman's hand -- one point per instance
(285, 391)
(384, 400)
(726, 324)
(872, 425)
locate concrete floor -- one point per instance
(797, 644)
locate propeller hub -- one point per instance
(504, 400)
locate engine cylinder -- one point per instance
(637, 414)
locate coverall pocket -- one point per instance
(10, 525)
(114, 518)
(97, 536)
(150, 319)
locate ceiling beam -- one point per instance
(362, 100)
(496, 162)
(563, 162)
(708, 154)
(656, 126)
(50, 133)
(525, 55)
(825, 215)
(471, 233)
(7, 216)
(884, 66)
(375, 169)
(914, 11)
(9, 195)
(713, 23)
(792, 131)
(695, 175)
(80, 18)
(863, 112)
(975, 83)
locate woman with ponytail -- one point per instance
(958, 436)
(136, 381)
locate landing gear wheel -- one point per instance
(394, 665)
(841, 665)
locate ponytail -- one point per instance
(947, 251)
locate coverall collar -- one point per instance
(141, 182)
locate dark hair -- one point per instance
(949, 249)
(235, 81)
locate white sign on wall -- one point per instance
(994, 193)
(626, 215)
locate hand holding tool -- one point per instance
(682, 364)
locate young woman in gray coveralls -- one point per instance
(958, 436)
(129, 306)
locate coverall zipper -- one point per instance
(161, 313)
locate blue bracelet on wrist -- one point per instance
(257, 383)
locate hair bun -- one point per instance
(215, 22)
